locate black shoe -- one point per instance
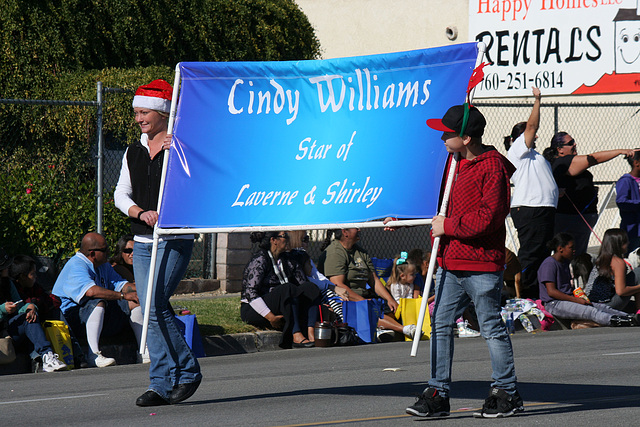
(151, 398)
(36, 365)
(501, 404)
(621, 321)
(305, 343)
(430, 404)
(635, 319)
(183, 391)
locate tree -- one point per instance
(59, 49)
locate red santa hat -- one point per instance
(154, 96)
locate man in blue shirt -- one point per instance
(95, 297)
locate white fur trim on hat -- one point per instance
(152, 103)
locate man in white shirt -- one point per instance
(534, 200)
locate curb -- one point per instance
(248, 342)
(214, 345)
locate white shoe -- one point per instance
(409, 330)
(98, 360)
(385, 335)
(464, 331)
(51, 362)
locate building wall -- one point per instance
(365, 27)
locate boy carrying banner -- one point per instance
(471, 257)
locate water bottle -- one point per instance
(510, 325)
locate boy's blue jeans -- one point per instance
(172, 361)
(454, 290)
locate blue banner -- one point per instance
(311, 142)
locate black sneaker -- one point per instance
(500, 404)
(430, 404)
(621, 321)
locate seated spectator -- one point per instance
(24, 276)
(581, 267)
(23, 323)
(275, 291)
(349, 266)
(556, 292)
(420, 259)
(628, 201)
(331, 295)
(95, 298)
(401, 282)
(612, 281)
(122, 260)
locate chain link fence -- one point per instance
(104, 155)
(594, 126)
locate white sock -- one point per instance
(135, 320)
(94, 328)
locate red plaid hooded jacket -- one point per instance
(478, 205)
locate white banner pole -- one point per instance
(156, 236)
(436, 241)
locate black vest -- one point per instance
(145, 175)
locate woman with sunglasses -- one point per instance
(276, 293)
(122, 260)
(577, 211)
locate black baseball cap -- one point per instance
(453, 118)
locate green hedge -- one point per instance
(60, 49)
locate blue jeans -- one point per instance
(19, 328)
(598, 312)
(172, 361)
(454, 291)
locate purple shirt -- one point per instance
(557, 272)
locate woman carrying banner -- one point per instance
(275, 291)
(174, 371)
(577, 211)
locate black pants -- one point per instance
(288, 300)
(535, 229)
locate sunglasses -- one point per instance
(127, 250)
(100, 249)
(569, 144)
(282, 236)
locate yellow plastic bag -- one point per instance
(407, 312)
(57, 332)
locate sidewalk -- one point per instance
(214, 345)
(124, 349)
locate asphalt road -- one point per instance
(585, 377)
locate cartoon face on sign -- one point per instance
(627, 45)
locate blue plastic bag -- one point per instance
(188, 325)
(363, 317)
